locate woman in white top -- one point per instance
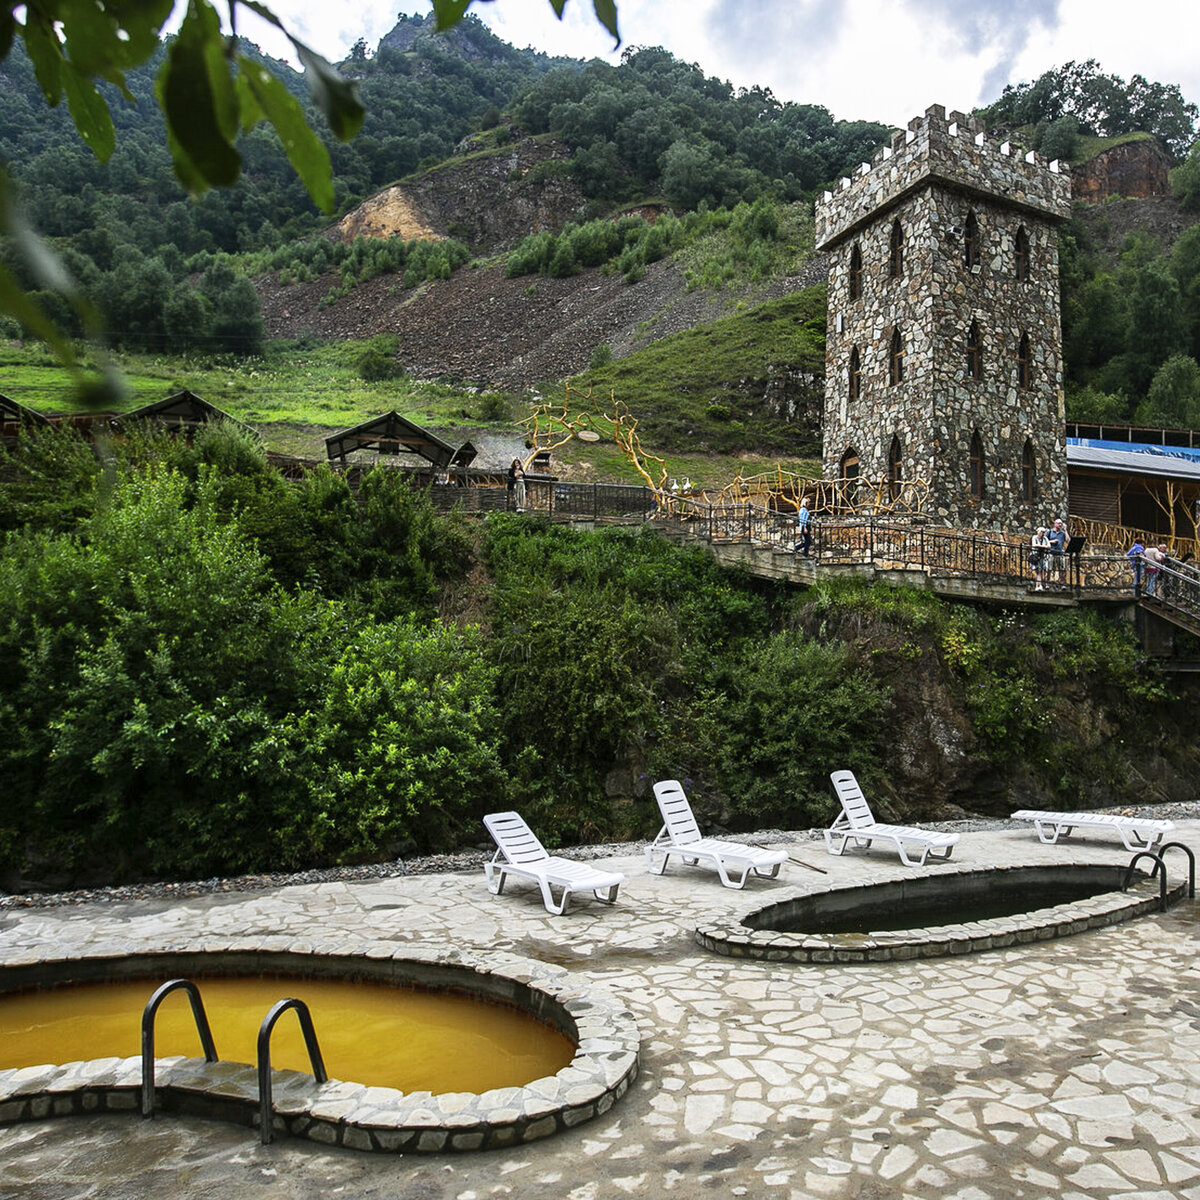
(1039, 548)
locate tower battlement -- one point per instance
(950, 151)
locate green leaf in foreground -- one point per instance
(305, 152)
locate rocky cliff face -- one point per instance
(1137, 170)
(489, 198)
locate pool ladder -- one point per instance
(210, 1050)
(1160, 870)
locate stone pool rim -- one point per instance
(731, 937)
(348, 1114)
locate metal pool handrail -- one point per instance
(1191, 864)
(148, 1015)
(264, 1057)
(1159, 869)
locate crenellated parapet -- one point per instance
(947, 151)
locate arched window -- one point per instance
(855, 375)
(1024, 364)
(977, 466)
(895, 468)
(974, 352)
(1027, 470)
(896, 357)
(896, 251)
(971, 242)
(849, 469)
(855, 272)
(1021, 255)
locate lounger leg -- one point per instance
(661, 870)
(496, 878)
(829, 843)
(1134, 842)
(908, 862)
(725, 878)
(767, 874)
(1051, 835)
(548, 899)
(609, 897)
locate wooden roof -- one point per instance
(184, 412)
(13, 416)
(390, 433)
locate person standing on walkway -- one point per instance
(803, 529)
(1039, 547)
(516, 475)
(1155, 556)
(1134, 554)
(1058, 551)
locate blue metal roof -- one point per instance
(1178, 462)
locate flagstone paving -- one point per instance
(1067, 1068)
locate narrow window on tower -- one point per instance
(974, 352)
(855, 374)
(1024, 365)
(971, 242)
(1021, 255)
(849, 472)
(855, 272)
(896, 357)
(895, 468)
(1027, 468)
(977, 466)
(896, 251)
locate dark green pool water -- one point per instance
(931, 901)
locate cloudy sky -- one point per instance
(881, 60)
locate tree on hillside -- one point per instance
(1174, 396)
(209, 90)
(1185, 181)
(1103, 105)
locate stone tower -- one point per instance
(943, 358)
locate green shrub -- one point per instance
(790, 710)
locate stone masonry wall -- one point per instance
(931, 181)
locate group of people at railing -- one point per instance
(1048, 555)
(1157, 574)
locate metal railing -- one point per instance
(265, 1103)
(1173, 587)
(1159, 871)
(149, 1013)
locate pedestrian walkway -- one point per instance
(1067, 1068)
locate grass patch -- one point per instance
(292, 383)
(703, 390)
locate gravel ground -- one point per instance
(473, 860)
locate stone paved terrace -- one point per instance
(1067, 1068)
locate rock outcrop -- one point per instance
(1137, 170)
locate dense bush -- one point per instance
(174, 710)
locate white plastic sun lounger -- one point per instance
(519, 853)
(1138, 833)
(856, 824)
(681, 835)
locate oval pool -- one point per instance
(599, 1034)
(930, 916)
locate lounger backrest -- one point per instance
(676, 812)
(854, 803)
(516, 840)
